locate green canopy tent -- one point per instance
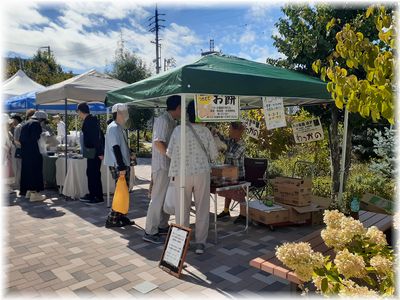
(222, 75)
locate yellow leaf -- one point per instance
(370, 10)
(349, 63)
(339, 102)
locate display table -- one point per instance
(74, 184)
(243, 185)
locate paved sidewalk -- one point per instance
(61, 247)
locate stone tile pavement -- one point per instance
(61, 248)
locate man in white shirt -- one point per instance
(60, 128)
(200, 151)
(117, 157)
(157, 219)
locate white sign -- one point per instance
(252, 128)
(308, 131)
(274, 112)
(175, 246)
(217, 108)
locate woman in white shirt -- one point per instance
(197, 174)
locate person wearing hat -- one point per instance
(117, 157)
(60, 128)
(157, 219)
(93, 146)
(32, 160)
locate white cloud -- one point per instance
(247, 37)
(259, 12)
(23, 13)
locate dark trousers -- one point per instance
(94, 177)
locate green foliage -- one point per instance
(384, 149)
(365, 82)
(139, 117)
(40, 68)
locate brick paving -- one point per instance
(61, 248)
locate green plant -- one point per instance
(363, 264)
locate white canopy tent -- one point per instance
(19, 84)
(91, 86)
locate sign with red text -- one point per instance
(274, 112)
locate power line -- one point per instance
(156, 28)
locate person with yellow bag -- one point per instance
(117, 158)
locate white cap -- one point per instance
(119, 107)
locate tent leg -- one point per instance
(182, 160)
(66, 137)
(343, 161)
(108, 171)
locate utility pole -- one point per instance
(48, 50)
(212, 51)
(156, 29)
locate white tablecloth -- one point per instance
(75, 184)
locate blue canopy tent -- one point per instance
(26, 101)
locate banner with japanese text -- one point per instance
(252, 128)
(217, 108)
(308, 131)
(274, 112)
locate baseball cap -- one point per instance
(119, 107)
(40, 114)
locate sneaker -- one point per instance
(86, 198)
(200, 249)
(119, 223)
(153, 238)
(94, 201)
(36, 197)
(240, 220)
(163, 231)
(223, 215)
(127, 221)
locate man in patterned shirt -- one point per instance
(234, 156)
(157, 219)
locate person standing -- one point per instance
(117, 157)
(94, 149)
(234, 156)
(32, 160)
(16, 153)
(200, 152)
(157, 219)
(60, 128)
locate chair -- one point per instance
(256, 174)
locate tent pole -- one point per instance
(66, 137)
(107, 170)
(343, 161)
(182, 160)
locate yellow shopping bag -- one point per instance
(121, 196)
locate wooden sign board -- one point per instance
(175, 249)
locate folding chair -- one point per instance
(255, 173)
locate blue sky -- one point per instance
(84, 34)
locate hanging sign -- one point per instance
(216, 108)
(175, 249)
(308, 131)
(274, 112)
(252, 128)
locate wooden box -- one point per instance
(225, 171)
(293, 191)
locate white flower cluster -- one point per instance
(350, 265)
(340, 230)
(381, 264)
(376, 236)
(300, 258)
(350, 288)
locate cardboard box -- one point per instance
(279, 215)
(225, 171)
(293, 191)
(377, 204)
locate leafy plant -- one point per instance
(363, 264)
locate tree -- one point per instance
(128, 67)
(303, 38)
(41, 68)
(365, 83)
